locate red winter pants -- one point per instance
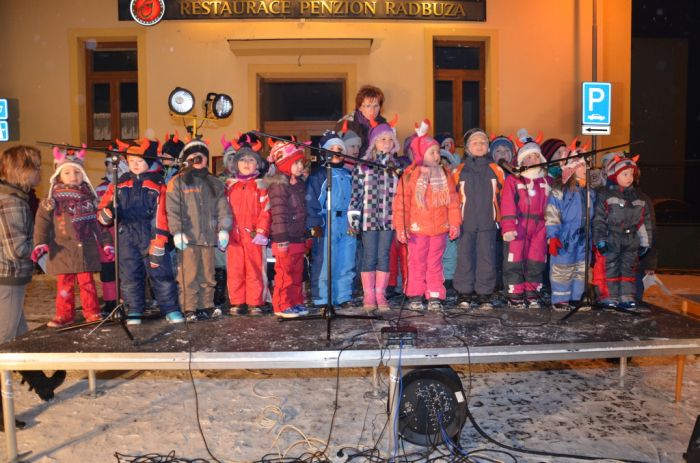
(246, 277)
(425, 275)
(398, 257)
(65, 297)
(289, 276)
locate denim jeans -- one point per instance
(376, 245)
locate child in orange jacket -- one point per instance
(426, 212)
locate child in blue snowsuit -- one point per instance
(565, 219)
(342, 243)
(143, 235)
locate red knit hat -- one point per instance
(283, 154)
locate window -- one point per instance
(459, 77)
(112, 92)
(303, 108)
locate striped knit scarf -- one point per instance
(436, 178)
(79, 203)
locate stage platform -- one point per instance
(453, 337)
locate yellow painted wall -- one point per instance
(538, 53)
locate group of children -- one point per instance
(494, 220)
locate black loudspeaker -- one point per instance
(432, 405)
(693, 453)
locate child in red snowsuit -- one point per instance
(247, 195)
(523, 203)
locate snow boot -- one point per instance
(220, 288)
(382, 281)
(43, 385)
(369, 292)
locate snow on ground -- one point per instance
(567, 407)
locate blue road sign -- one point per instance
(3, 109)
(597, 97)
(4, 131)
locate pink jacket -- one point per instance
(523, 202)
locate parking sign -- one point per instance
(596, 105)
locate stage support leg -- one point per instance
(623, 370)
(680, 366)
(92, 382)
(393, 407)
(8, 411)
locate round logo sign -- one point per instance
(147, 12)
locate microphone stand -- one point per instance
(328, 313)
(118, 314)
(586, 300)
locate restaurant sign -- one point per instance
(150, 12)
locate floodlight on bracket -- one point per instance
(181, 102)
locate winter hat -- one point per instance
(443, 137)
(376, 131)
(469, 134)
(619, 163)
(195, 146)
(502, 141)
(420, 145)
(245, 151)
(606, 158)
(331, 138)
(249, 139)
(350, 137)
(527, 146)
(283, 154)
(172, 146)
(67, 157)
(451, 159)
(550, 147)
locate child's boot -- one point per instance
(220, 288)
(382, 283)
(368, 287)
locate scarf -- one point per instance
(240, 176)
(435, 177)
(78, 202)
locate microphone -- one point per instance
(189, 162)
(503, 164)
(394, 168)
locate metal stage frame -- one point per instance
(254, 343)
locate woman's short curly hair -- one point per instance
(371, 92)
(18, 164)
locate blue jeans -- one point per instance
(376, 245)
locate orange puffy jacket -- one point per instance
(430, 221)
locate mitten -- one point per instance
(602, 247)
(643, 251)
(510, 236)
(402, 236)
(316, 232)
(260, 239)
(180, 241)
(454, 232)
(39, 251)
(222, 240)
(109, 252)
(554, 246)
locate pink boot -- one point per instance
(368, 284)
(382, 283)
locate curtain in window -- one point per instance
(102, 126)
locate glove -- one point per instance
(222, 240)
(602, 247)
(402, 236)
(180, 241)
(105, 216)
(309, 243)
(109, 252)
(454, 232)
(39, 251)
(510, 236)
(643, 251)
(554, 246)
(316, 232)
(353, 222)
(260, 239)
(156, 253)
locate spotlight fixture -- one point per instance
(433, 406)
(218, 104)
(181, 101)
